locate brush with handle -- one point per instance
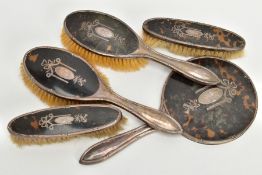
(102, 38)
(63, 74)
(207, 114)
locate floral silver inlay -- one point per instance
(55, 68)
(183, 31)
(99, 30)
(212, 96)
(50, 121)
(191, 105)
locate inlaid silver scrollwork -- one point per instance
(99, 30)
(55, 68)
(183, 31)
(212, 96)
(50, 121)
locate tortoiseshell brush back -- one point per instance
(65, 75)
(190, 38)
(206, 99)
(49, 98)
(100, 38)
(64, 123)
(207, 114)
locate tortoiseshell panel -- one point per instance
(64, 121)
(212, 114)
(101, 33)
(55, 71)
(193, 34)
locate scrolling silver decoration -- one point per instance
(55, 68)
(223, 93)
(183, 32)
(49, 121)
(99, 30)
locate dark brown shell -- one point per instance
(64, 121)
(101, 33)
(193, 34)
(40, 63)
(217, 120)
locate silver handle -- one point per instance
(190, 70)
(109, 147)
(154, 118)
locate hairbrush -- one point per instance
(207, 114)
(64, 123)
(190, 38)
(63, 74)
(104, 40)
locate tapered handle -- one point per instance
(190, 70)
(154, 118)
(109, 147)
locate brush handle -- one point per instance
(154, 118)
(109, 147)
(190, 70)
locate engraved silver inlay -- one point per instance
(212, 97)
(55, 68)
(104, 32)
(183, 31)
(101, 31)
(64, 120)
(50, 121)
(64, 73)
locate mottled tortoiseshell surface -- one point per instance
(193, 34)
(83, 120)
(217, 121)
(101, 33)
(54, 70)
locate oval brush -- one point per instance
(190, 38)
(53, 100)
(63, 123)
(49, 98)
(65, 75)
(100, 38)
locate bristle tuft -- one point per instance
(183, 50)
(118, 64)
(44, 96)
(103, 77)
(112, 130)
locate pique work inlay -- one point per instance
(99, 30)
(212, 97)
(55, 68)
(183, 31)
(101, 33)
(49, 121)
(65, 120)
(212, 114)
(194, 34)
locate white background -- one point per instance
(26, 24)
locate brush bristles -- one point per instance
(50, 99)
(44, 96)
(53, 100)
(183, 50)
(118, 64)
(107, 132)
